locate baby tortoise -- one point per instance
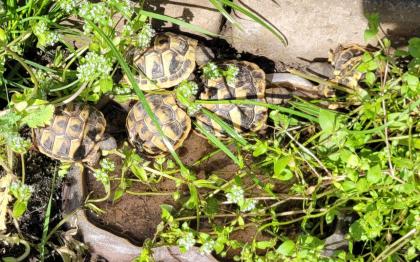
(249, 83)
(143, 134)
(76, 133)
(169, 61)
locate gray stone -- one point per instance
(314, 27)
(197, 12)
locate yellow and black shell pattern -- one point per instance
(72, 133)
(345, 60)
(174, 121)
(167, 63)
(249, 84)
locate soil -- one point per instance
(137, 217)
(39, 170)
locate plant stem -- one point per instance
(28, 69)
(149, 193)
(22, 159)
(391, 249)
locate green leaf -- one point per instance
(212, 206)
(39, 117)
(265, 244)
(166, 212)
(373, 25)
(139, 172)
(374, 174)
(280, 164)
(362, 185)
(260, 148)
(193, 200)
(370, 78)
(414, 47)
(329, 217)
(106, 84)
(118, 194)
(327, 120)
(348, 185)
(19, 207)
(287, 248)
(284, 175)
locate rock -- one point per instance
(314, 27)
(197, 12)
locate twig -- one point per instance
(395, 246)
(309, 153)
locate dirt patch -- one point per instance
(39, 170)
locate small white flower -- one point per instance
(101, 176)
(211, 71)
(207, 247)
(52, 38)
(127, 30)
(93, 66)
(121, 90)
(230, 73)
(107, 165)
(45, 36)
(187, 241)
(145, 36)
(99, 13)
(248, 205)
(68, 5)
(46, 80)
(21, 191)
(40, 28)
(235, 194)
(188, 89)
(18, 144)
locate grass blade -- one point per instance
(212, 138)
(47, 221)
(229, 130)
(258, 19)
(177, 22)
(257, 103)
(139, 93)
(223, 11)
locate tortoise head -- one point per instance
(108, 143)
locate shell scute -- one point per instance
(175, 124)
(248, 84)
(67, 136)
(167, 63)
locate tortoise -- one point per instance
(169, 61)
(249, 83)
(143, 134)
(75, 133)
(345, 60)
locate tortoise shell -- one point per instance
(345, 60)
(168, 62)
(248, 84)
(174, 121)
(72, 133)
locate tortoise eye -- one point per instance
(163, 41)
